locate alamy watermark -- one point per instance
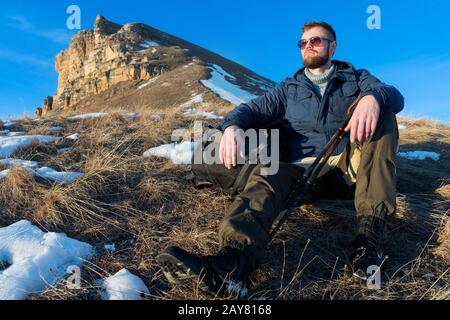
(374, 20)
(373, 278)
(73, 22)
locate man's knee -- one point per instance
(387, 125)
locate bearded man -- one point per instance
(309, 108)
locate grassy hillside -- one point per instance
(143, 205)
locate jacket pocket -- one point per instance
(341, 100)
(302, 108)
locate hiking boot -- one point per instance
(366, 258)
(227, 272)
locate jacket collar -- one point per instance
(344, 71)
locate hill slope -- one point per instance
(143, 204)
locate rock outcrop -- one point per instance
(112, 54)
(97, 60)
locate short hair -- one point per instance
(326, 26)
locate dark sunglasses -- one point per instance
(315, 42)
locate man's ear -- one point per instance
(333, 47)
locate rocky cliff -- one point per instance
(110, 55)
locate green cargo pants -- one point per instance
(365, 173)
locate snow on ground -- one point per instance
(220, 84)
(260, 83)
(62, 177)
(8, 122)
(16, 133)
(87, 116)
(130, 116)
(188, 65)
(10, 144)
(64, 150)
(74, 136)
(4, 173)
(124, 286)
(178, 153)
(147, 83)
(149, 44)
(59, 177)
(10, 162)
(37, 259)
(4, 132)
(156, 117)
(196, 113)
(402, 126)
(196, 99)
(110, 247)
(55, 129)
(420, 155)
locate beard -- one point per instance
(316, 61)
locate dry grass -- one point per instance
(144, 204)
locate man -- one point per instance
(309, 107)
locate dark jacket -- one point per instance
(306, 121)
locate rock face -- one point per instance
(48, 105)
(38, 112)
(111, 54)
(97, 60)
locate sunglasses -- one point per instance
(315, 42)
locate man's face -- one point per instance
(317, 56)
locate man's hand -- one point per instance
(231, 145)
(364, 121)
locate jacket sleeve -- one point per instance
(388, 96)
(260, 111)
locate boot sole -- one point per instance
(178, 274)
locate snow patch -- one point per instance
(178, 153)
(74, 136)
(420, 155)
(402, 126)
(55, 129)
(16, 134)
(130, 116)
(208, 115)
(149, 44)
(156, 117)
(10, 144)
(124, 286)
(260, 83)
(87, 116)
(196, 99)
(147, 83)
(8, 122)
(110, 247)
(62, 177)
(4, 173)
(11, 162)
(64, 150)
(59, 177)
(37, 259)
(219, 84)
(238, 288)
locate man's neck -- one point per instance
(321, 70)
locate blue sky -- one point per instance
(410, 51)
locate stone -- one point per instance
(38, 112)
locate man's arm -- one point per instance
(258, 112)
(388, 97)
(377, 98)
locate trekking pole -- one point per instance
(306, 181)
